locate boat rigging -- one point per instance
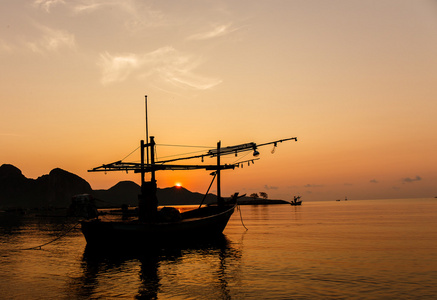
(162, 165)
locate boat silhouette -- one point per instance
(168, 225)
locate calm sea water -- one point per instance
(374, 249)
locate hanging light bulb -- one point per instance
(275, 144)
(255, 152)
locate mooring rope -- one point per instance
(57, 238)
(241, 217)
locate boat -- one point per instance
(296, 201)
(154, 226)
(82, 205)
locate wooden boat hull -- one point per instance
(195, 225)
(296, 203)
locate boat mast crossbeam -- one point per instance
(148, 168)
(161, 165)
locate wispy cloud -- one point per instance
(410, 180)
(217, 31)
(52, 40)
(374, 181)
(47, 4)
(137, 14)
(83, 5)
(166, 63)
(313, 185)
(89, 6)
(267, 187)
(117, 68)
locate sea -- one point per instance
(355, 249)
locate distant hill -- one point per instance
(56, 189)
(126, 192)
(52, 190)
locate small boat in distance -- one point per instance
(153, 226)
(296, 201)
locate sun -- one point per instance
(178, 184)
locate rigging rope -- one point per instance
(185, 146)
(180, 154)
(206, 194)
(131, 153)
(241, 158)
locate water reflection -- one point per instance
(145, 273)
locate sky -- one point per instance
(354, 81)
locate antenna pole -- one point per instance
(219, 192)
(147, 129)
(143, 172)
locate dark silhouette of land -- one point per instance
(56, 189)
(48, 191)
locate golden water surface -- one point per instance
(367, 249)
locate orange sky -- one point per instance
(353, 80)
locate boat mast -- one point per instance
(147, 200)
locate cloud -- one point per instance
(313, 185)
(52, 40)
(93, 5)
(165, 63)
(270, 187)
(138, 14)
(117, 68)
(217, 31)
(47, 4)
(374, 181)
(84, 5)
(410, 180)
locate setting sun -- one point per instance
(178, 184)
